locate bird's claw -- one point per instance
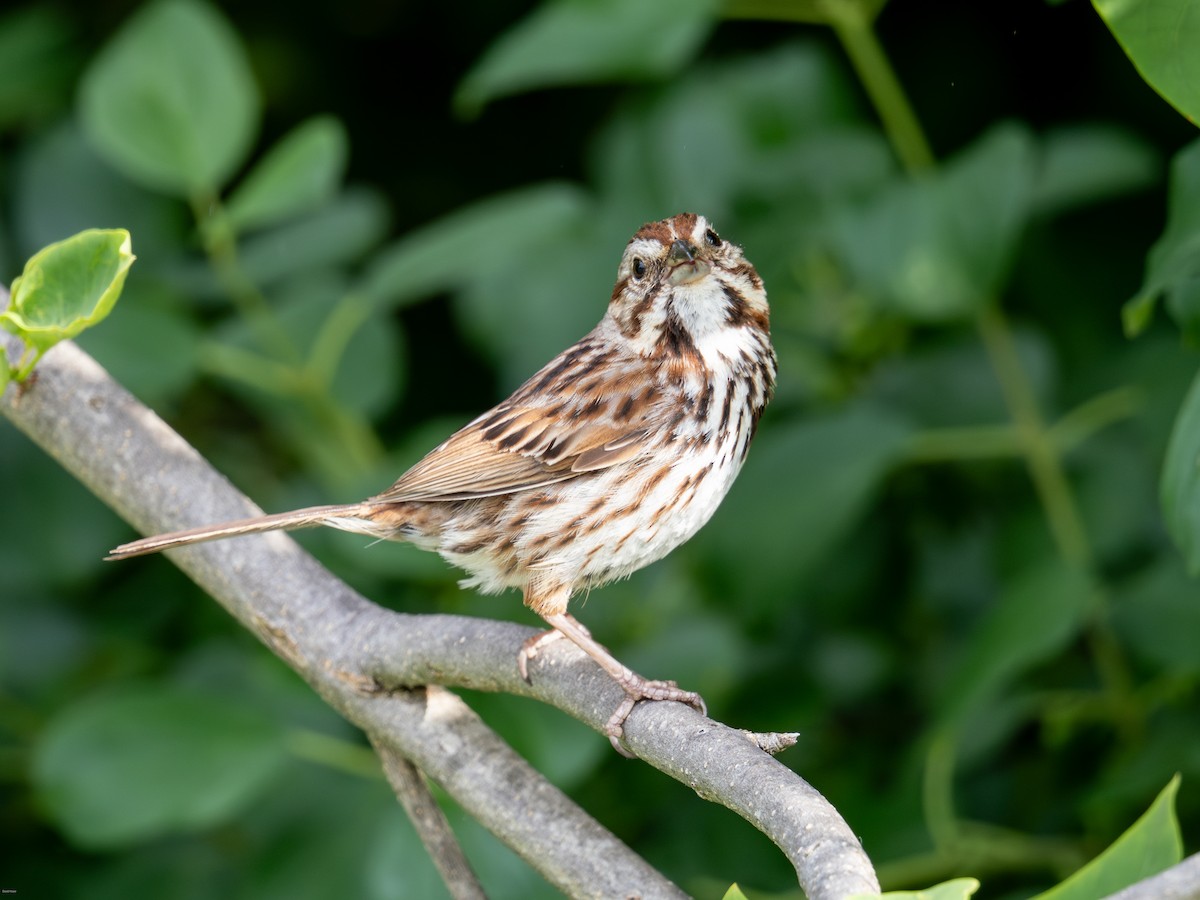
(637, 689)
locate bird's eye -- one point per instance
(639, 267)
(712, 238)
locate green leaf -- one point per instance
(587, 41)
(472, 243)
(522, 316)
(144, 761)
(1087, 163)
(1158, 618)
(955, 889)
(1137, 313)
(1160, 37)
(67, 287)
(33, 79)
(151, 348)
(781, 120)
(348, 350)
(171, 101)
(734, 893)
(357, 351)
(1173, 264)
(1150, 845)
(341, 231)
(1180, 489)
(804, 486)
(6, 373)
(1037, 614)
(62, 186)
(968, 391)
(298, 174)
(939, 248)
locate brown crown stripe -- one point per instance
(656, 231)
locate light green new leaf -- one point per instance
(1151, 844)
(1034, 617)
(734, 893)
(955, 889)
(586, 41)
(171, 101)
(1180, 489)
(134, 764)
(5, 372)
(1173, 264)
(298, 174)
(68, 287)
(1160, 38)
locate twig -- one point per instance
(360, 657)
(429, 820)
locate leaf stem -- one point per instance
(25, 364)
(342, 441)
(955, 444)
(937, 790)
(854, 24)
(1045, 466)
(220, 245)
(1099, 412)
(336, 753)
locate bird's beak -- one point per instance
(685, 266)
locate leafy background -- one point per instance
(946, 563)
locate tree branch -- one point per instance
(429, 820)
(371, 663)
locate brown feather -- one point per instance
(535, 439)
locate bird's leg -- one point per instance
(530, 648)
(635, 686)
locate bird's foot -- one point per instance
(529, 649)
(637, 689)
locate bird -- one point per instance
(608, 458)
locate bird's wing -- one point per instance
(552, 429)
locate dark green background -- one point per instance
(879, 584)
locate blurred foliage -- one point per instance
(1151, 845)
(946, 563)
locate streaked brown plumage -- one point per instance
(612, 455)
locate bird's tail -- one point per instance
(346, 517)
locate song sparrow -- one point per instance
(610, 457)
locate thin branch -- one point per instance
(362, 659)
(429, 820)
